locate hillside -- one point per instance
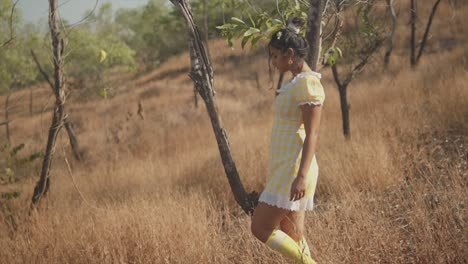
(153, 190)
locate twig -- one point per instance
(12, 37)
(41, 70)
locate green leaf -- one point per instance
(251, 31)
(277, 22)
(252, 21)
(226, 26)
(245, 40)
(333, 55)
(238, 20)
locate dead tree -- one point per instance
(414, 59)
(202, 75)
(67, 122)
(43, 184)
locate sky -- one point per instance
(71, 10)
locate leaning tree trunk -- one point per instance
(413, 33)
(57, 120)
(202, 76)
(391, 38)
(415, 58)
(426, 32)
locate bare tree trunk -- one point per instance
(72, 137)
(415, 58)
(57, 120)
(313, 32)
(413, 33)
(342, 88)
(68, 124)
(426, 32)
(7, 124)
(202, 75)
(345, 111)
(391, 39)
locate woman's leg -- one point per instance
(293, 225)
(265, 221)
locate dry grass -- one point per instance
(156, 192)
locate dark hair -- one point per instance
(286, 38)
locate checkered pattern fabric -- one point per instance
(287, 140)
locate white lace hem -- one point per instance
(317, 103)
(284, 202)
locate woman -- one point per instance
(278, 219)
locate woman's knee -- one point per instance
(259, 230)
(293, 226)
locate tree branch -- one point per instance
(336, 76)
(41, 70)
(391, 39)
(360, 66)
(12, 37)
(426, 32)
(413, 32)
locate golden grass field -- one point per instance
(155, 191)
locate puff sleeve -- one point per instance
(309, 90)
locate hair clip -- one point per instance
(279, 34)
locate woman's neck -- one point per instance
(298, 67)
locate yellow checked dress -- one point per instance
(287, 139)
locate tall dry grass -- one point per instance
(155, 192)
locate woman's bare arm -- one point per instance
(311, 116)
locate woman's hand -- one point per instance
(298, 188)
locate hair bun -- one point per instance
(296, 24)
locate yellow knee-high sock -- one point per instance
(284, 244)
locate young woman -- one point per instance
(278, 220)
